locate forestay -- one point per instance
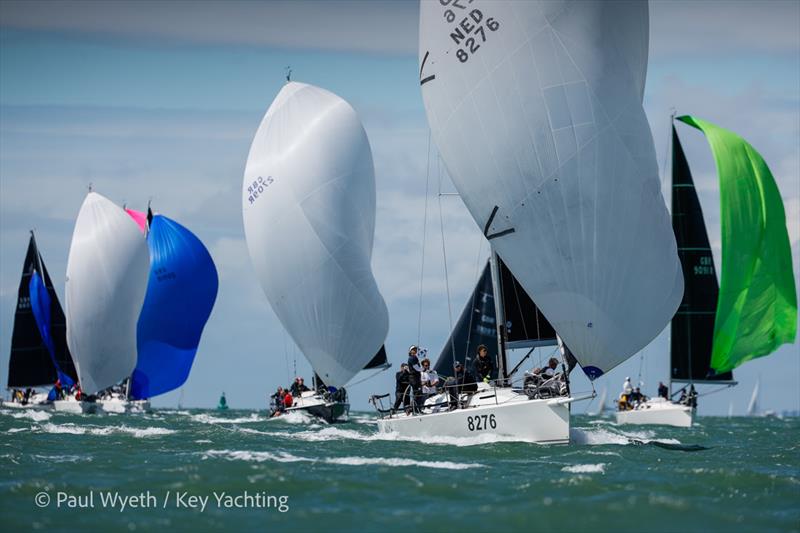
(536, 108)
(308, 203)
(107, 272)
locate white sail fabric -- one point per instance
(107, 272)
(536, 108)
(308, 202)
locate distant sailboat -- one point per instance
(39, 354)
(601, 404)
(752, 407)
(754, 310)
(107, 273)
(308, 202)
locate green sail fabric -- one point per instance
(757, 306)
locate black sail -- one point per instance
(30, 364)
(477, 325)
(692, 327)
(379, 361)
(526, 326)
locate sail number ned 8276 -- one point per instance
(470, 30)
(481, 422)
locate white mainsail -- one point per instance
(107, 272)
(308, 203)
(536, 108)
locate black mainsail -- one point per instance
(692, 327)
(30, 363)
(379, 361)
(525, 326)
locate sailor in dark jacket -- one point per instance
(415, 369)
(402, 391)
(462, 381)
(484, 366)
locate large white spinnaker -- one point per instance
(107, 274)
(536, 108)
(308, 203)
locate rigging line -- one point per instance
(369, 377)
(667, 152)
(424, 236)
(444, 255)
(474, 294)
(286, 356)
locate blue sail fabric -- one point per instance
(180, 295)
(40, 306)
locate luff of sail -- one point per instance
(692, 327)
(536, 108)
(308, 203)
(757, 307)
(180, 296)
(31, 362)
(107, 273)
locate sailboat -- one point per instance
(752, 407)
(308, 203)
(601, 404)
(39, 354)
(754, 309)
(107, 274)
(180, 295)
(555, 162)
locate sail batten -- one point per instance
(542, 130)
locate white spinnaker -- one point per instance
(107, 272)
(540, 114)
(308, 203)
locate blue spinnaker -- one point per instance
(40, 306)
(180, 295)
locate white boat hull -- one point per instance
(73, 406)
(658, 411)
(316, 405)
(504, 413)
(37, 401)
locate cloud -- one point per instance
(375, 27)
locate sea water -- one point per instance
(200, 470)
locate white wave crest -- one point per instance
(283, 457)
(598, 468)
(298, 417)
(204, 418)
(31, 414)
(72, 429)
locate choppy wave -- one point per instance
(298, 417)
(598, 468)
(605, 435)
(72, 429)
(284, 457)
(205, 418)
(30, 414)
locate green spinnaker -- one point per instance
(757, 306)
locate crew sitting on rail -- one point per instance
(462, 382)
(483, 365)
(298, 387)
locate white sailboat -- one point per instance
(601, 405)
(107, 273)
(308, 203)
(752, 407)
(554, 159)
(753, 310)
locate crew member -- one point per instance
(401, 389)
(483, 366)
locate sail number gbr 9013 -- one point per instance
(481, 422)
(470, 31)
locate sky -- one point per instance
(159, 101)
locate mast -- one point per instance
(500, 314)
